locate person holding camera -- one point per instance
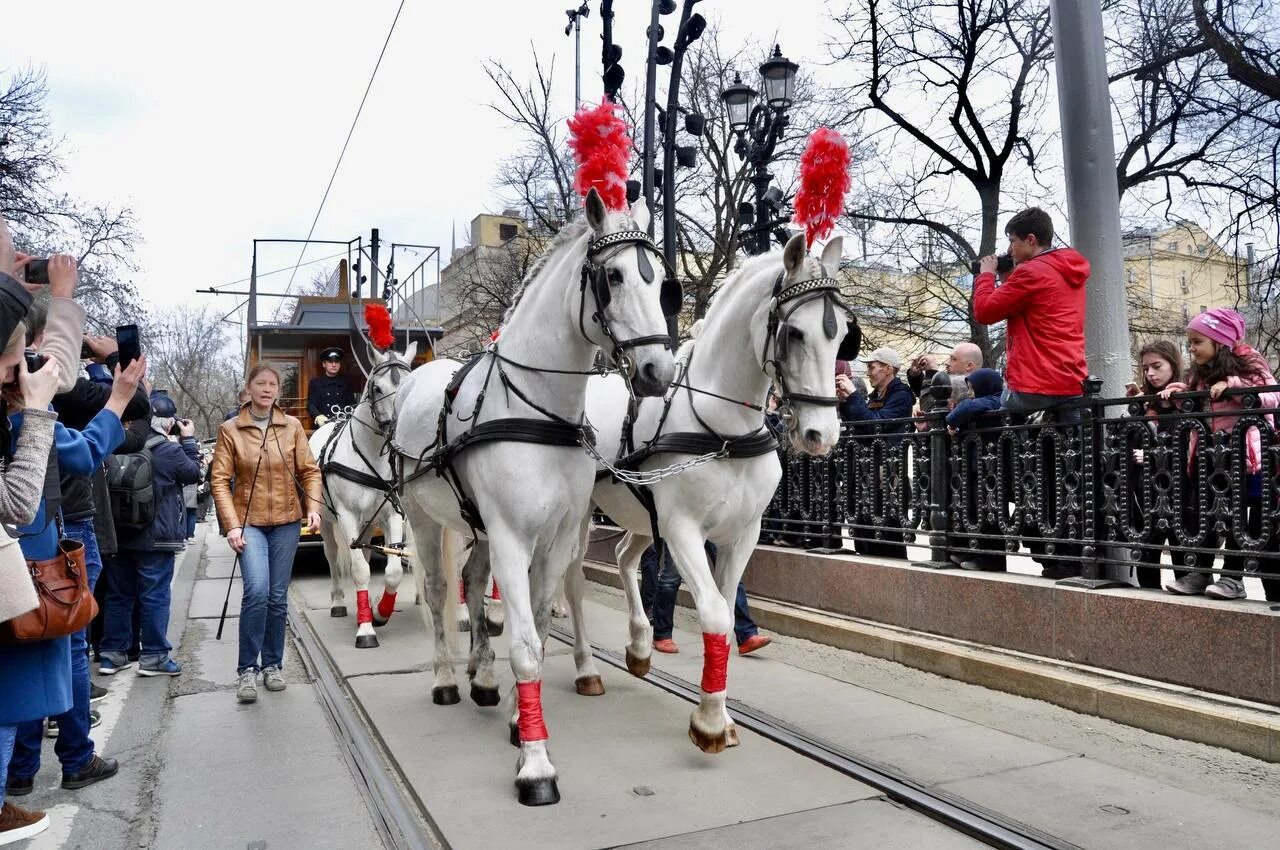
(265, 451)
(143, 567)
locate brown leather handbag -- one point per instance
(66, 603)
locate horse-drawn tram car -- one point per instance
(326, 321)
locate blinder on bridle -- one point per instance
(786, 300)
(596, 273)
(395, 367)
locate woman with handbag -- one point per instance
(265, 452)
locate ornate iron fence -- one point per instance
(1090, 490)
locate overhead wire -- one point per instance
(343, 153)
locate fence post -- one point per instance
(832, 516)
(939, 480)
(1091, 445)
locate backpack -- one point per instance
(131, 486)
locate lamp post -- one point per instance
(575, 26)
(759, 126)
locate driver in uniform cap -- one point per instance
(329, 393)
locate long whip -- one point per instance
(262, 450)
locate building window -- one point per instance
(1182, 279)
(507, 232)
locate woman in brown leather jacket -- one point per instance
(265, 452)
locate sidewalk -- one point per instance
(197, 769)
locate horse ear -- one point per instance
(640, 214)
(832, 254)
(411, 352)
(793, 255)
(597, 215)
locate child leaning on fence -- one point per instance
(1221, 360)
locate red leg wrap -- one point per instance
(364, 614)
(496, 595)
(530, 724)
(386, 605)
(462, 593)
(715, 662)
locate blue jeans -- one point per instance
(145, 578)
(266, 565)
(660, 586)
(7, 736)
(74, 746)
(191, 523)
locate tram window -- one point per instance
(289, 386)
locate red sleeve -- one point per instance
(993, 304)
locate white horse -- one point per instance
(773, 321)
(523, 471)
(354, 455)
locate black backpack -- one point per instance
(131, 486)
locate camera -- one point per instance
(86, 353)
(37, 271)
(1004, 265)
(175, 429)
(34, 361)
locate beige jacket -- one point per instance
(273, 470)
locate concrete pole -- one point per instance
(1093, 205)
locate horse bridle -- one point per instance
(384, 427)
(595, 276)
(788, 299)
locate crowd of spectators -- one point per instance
(73, 413)
(1041, 300)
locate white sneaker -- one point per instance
(273, 679)
(247, 689)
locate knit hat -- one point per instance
(1221, 324)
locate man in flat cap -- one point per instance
(329, 393)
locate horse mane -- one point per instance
(569, 233)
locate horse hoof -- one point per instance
(638, 666)
(366, 641)
(708, 743)
(589, 686)
(495, 629)
(731, 736)
(484, 696)
(538, 792)
(515, 735)
(447, 695)
(338, 611)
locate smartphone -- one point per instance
(86, 353)
(37, 271)
(129, 344)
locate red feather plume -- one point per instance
(824, 181)
(379, 322)
(598, 138)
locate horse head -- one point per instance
(388, 370)
(814, 329)
(632, 289)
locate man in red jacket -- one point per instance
(1043, 300)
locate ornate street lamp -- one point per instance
(759, 126)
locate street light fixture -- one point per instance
(758, 126)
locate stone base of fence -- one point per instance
(1229, 648)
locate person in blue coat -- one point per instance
(885, 410)
(50, 669)
(988, 389)
(142, 570)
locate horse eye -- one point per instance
(795, 334)
(615, 277)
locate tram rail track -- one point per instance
(402, 820)
(957, 813)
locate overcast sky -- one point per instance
(220, 122)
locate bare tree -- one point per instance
(955, 88)
(1245, 35)
(193, 356)
(480, 289)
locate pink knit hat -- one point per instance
(1221, 324)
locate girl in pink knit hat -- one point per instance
(1221, 360)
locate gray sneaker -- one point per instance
(273, 679)
(1225, 588)
(247, 689)
(1192, 584)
